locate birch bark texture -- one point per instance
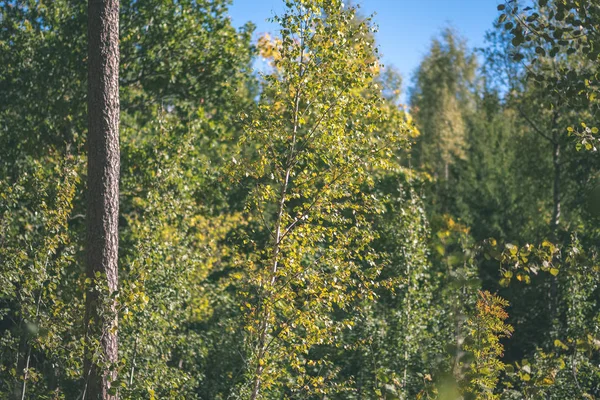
(102, 197)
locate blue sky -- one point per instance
(405, 26)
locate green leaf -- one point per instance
(517, 40)
(512, 248)
(558, 343)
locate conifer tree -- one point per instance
(102, 217)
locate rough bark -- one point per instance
(102, 196)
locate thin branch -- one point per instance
(262, 217)
(306, 141)
(307, 211)
(133, 362)
(534, 126)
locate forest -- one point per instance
(176, 223)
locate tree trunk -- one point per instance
(556, 188)
(556, 195)
(102, 197)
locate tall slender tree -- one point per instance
(102, 197)
(440, 99)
